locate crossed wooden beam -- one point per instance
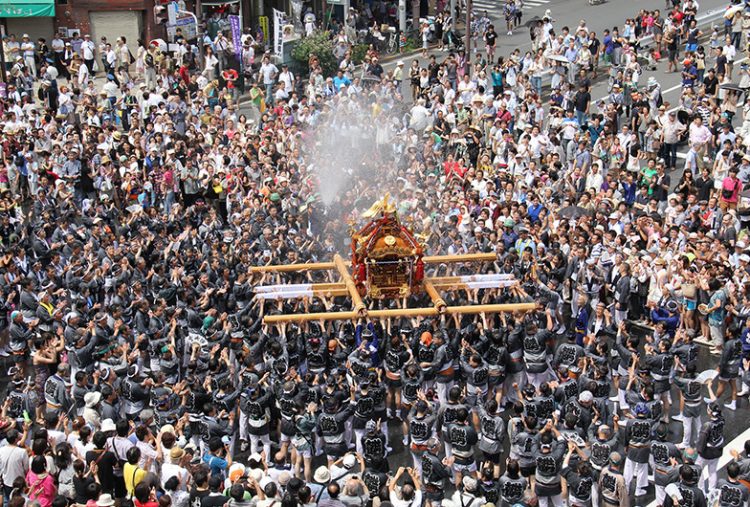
(347, 287)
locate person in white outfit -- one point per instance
(27, 51)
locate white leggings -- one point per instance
(551, 501)
(640, 470)
(537, 379)
(709, 471)
(442, 389)
(417, 460)
(622, 400)
(660, 494)
(358, 434)
(690, 428)
(260, 442)
(243, 425)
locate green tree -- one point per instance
(319, 44)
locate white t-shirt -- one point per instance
(287, 78)
(147, 451)
(397, 502)
(729, 51)
(169, 470)
(124, 53)
(14, 462)
(83, 75)
(87, 50)
(27, 48)
(268, 70)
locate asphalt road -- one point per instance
(569, 13)
(611, 13)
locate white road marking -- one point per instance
(497, 6)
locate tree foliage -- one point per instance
(319, 44)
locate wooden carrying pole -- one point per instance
(436, 299)
(439, 259)
(407, 312)
(359, 307)
(315, 266)
(312, 266)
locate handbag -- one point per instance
(727, 193)
(117, 468)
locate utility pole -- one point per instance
(402, 16)
(467, 45)
(198, 34)
(2, 67)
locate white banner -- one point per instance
(262, 289)
(278, 35)
(490, 277)
(489, 284)
(290, 291)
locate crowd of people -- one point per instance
(141, 372)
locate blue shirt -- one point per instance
(338, 82)
(534, 211)
(509, 239)
(692, 70)
(745, 340)
(571, 54)
(628, 192)
(497, 78)
(594, 132)
(216, 464)
(582, 323)
(717, 316)
(373, 343)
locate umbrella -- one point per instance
(161, 44)
(733, 10)
(731, 86)
(558, 58)
(683, 116)
(532, 21)
(573, 212)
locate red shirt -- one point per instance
(453, 168)
(230, 75)
(185, 74)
